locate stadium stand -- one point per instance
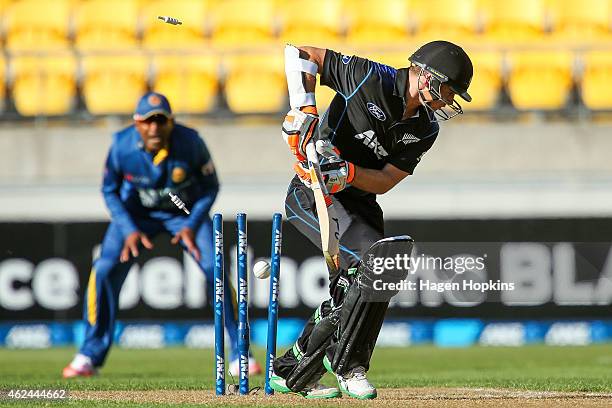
(372, 23)
(597, 72)
(540, 80)
(588, 23)
(487, 84)
(191, 82)
(35, 25)
(517, 22)
(323, 95)
(214, 32)
(189, 35)
(2, 82)
(321, 28)
(460, 24)
(44, 85)
(255, 83)
(106, 25)
(4, 4)
(242, 23)
(113, 83)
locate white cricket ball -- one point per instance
(261, 269)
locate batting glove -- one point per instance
(337, 173)
(299, 127)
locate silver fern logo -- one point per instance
(409, 138)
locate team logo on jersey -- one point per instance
(409, 138)
(346, 59)
(369, 139)
(376, 112)
(178, 175)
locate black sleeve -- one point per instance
(406, 157)
(344, 73)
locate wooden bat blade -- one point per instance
(328, 220)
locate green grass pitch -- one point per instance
(541, 368)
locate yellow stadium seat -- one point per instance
(596, 77)
(161, 36)
(37, 25)
(242, 23)
(255, 83)
(113, 83)
(540, 80)
(587, 21)
(486, 84)
(4, 5)
(2, 81)
(383, 22)
(453, 20)
(316, 22)
(106, 25)
(191, 82)
(44, 85)
(323, 96)
(513, 21)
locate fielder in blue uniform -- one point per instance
(148, 160)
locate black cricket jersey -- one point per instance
(364, 118)
(364, 123)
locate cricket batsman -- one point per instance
(147, 161)
(379, 125)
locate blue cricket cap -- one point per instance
(150, 104)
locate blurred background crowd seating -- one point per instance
(82, 58)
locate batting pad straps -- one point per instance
(294, 66)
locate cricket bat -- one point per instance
(328, 220)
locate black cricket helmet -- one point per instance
(448, 63)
